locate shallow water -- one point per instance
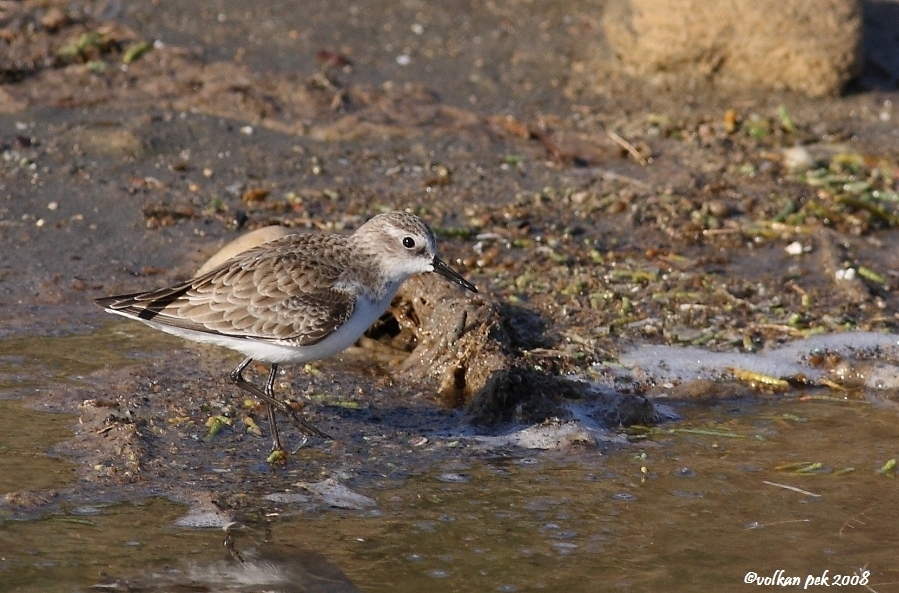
(693, 504)
(40, 361)
(699, 515)
(74, 550)
(24, 438)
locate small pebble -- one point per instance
(794, 248)
(453, 477)
(683, 472)
(796, 158)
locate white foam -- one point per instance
(204, 520)
(679, 363)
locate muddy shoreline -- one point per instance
(721, 222)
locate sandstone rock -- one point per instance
(812, 47)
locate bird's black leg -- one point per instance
(237, 378)
(272, 401)
(270, 391)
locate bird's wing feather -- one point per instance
(274, 292)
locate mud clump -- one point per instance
(470, 350)
(459, 344)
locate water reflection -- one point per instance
(269, 568)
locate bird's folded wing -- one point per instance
(280, 301)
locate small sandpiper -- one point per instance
(296, 299)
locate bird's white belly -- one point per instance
(365, 313)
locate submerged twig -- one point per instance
(708, 432)
(855, 519)
(630, 148)
(793, 488)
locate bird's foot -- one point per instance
(277, 457)
(304, 427)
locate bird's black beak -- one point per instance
(452, 275)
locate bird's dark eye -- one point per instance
(408, 242)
